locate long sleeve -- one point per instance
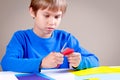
(20, 65)
(88, 59)
(20, 57)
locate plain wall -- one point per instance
(96, 24)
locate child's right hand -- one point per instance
(52, 60)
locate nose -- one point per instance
(51, 21)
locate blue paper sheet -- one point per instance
(38, 76)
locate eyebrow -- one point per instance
(47, 12)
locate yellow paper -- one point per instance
(92, 79)
(97, 70)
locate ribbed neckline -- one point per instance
(40, 38)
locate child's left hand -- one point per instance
(74, 59)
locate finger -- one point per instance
(69, 55)
(59, 55)
(74, 62)
(74, 65)
(60, 60)
(74, 54)
(74, 58)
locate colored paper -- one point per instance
(33, 77)
(110, 76)
(96, 70)
(67, 51)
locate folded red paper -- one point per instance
(67, 51)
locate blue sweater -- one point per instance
(26, 50)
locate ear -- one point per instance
(31, 12)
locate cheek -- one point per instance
(40, 20)
(58, 21)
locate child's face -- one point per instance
(46, 22)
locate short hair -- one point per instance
(52, 5)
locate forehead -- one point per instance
(47, 11)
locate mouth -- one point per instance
(49, 28)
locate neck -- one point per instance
(42, 35)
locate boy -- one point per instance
(33, 49)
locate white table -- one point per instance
(62, 74)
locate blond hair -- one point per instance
(52, 5)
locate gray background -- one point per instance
(96, 24)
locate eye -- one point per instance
(57, 16)
(47, 16)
